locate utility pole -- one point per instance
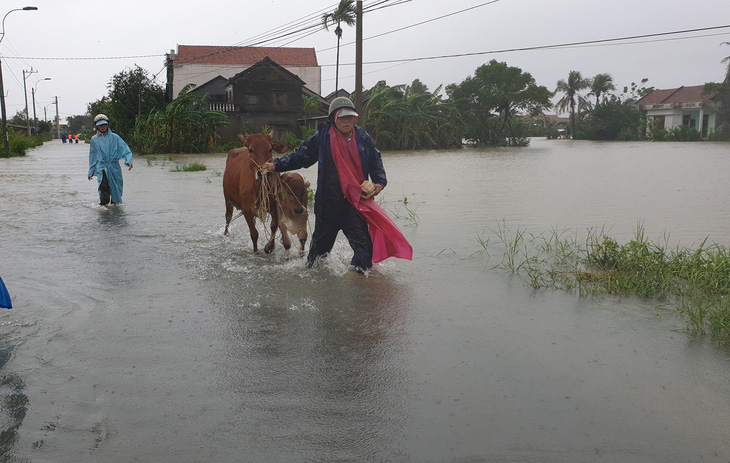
(58, 121)
(6, 140)
(169, 63)
(358, 58)
(25, 93)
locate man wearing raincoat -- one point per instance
(106, 150)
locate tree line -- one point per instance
(499, 105)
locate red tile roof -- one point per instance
(204, 54)
(689, 95)
(656, 97)
(676, 95)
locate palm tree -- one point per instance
(726, 60)
(345, 12)
(575, 84)
(601, 85)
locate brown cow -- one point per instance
(242, 190)
(293, 209)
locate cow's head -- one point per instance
(293, 202)
(260, 146)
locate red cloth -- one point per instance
(388, 241)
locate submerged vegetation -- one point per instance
(20, 143)
(696, 281)
(194, 167)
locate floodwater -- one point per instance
(142, 333)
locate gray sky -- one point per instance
(81, 44)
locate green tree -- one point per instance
(132, 93)
(410, 117)
(634, 92)
(601, 84)
(311, 106)
(185, 125)
(79, 124)
(344, 13)
(571, 97)
(613, 119)
(491, 101)
(726, 60)
(19, 119)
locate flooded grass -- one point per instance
(696, 281)
(194, 167)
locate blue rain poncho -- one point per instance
(104, 155)
(5, 302)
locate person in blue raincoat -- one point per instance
(107, 148)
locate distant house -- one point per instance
(265, 94)
(685, 106)
(197, 65)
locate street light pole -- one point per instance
(32, 91)
(6, 141)
(25, 94)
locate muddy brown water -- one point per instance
(141, 333)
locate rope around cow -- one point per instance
(270, 186)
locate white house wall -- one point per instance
(199, 74)
(674, 118)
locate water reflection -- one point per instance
(13, 403)
(325, 369)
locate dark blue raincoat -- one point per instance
(104, 155)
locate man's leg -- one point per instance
(356, 230)
(105, 193)
(323, 238)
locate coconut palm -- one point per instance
(601, 85)
(574, 84)
(345, 12)
(726, 60)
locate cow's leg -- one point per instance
(274, 225)
(302, 235)
(285, 239)
(229, 215)
(251, 221)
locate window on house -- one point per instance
(229, 94)
(688, 121)
(659, 121)
(252, 99)
(280, 99)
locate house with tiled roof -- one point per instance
(685, 106)
(263, 95)
(199, 64)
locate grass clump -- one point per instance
(194, 167)
(696, 281)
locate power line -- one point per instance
(88, 58)
(557, 46)
(384, 4)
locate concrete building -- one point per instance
(685, 106)
(197, 64)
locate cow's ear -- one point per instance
(243, 138)
(306, 184)
(280, 147)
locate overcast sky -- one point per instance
(81, 44)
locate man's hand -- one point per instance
(128, 164)
(269, 166)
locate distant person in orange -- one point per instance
(70, 138)
(76, 138)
